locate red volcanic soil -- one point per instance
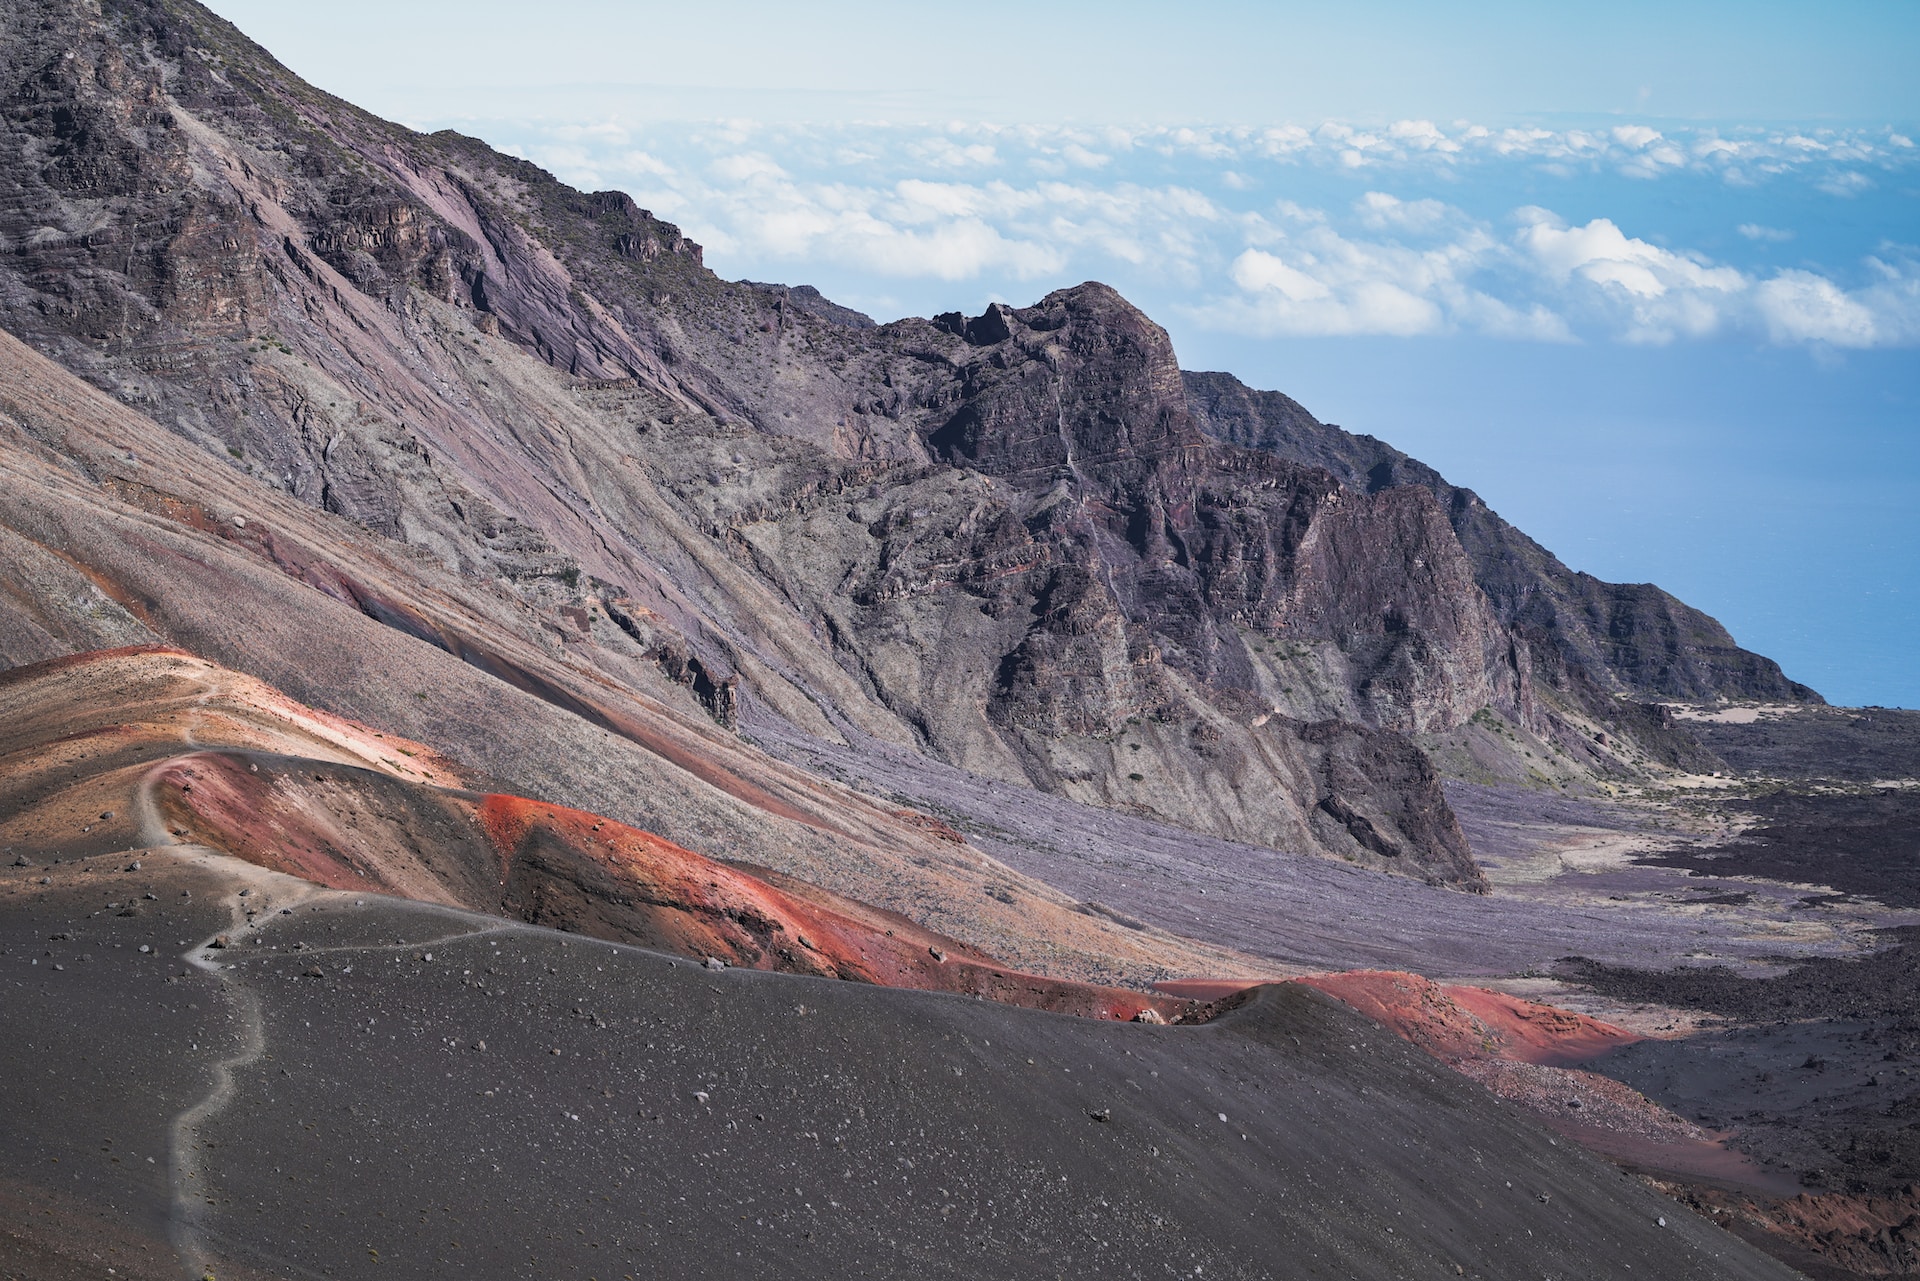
(591, 875)
(1535, 1033)
(1203, 989)
(135, 748)
(1460, 1023)
(355, 829)
(336, 825)
(553, 859)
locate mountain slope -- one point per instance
(459, 1096)
(1006, 542)
(167, 544)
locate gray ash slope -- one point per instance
(631, 1114)
(1008, 542)
(1316, 914)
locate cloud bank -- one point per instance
(1409, 229)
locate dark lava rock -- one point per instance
(1882, 984)
(1823, 1076)
(1855, 745)
(1864, 843)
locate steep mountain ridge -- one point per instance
(1631, 638)
(1006, 541)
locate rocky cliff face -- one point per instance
(1026, 552)
(1022, 542)
(1627, 637)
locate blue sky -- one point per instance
(1647, 277)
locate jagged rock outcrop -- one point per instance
(1626, 637)
(812, 301)
(1011, 541)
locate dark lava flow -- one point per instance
(1857, 744)
(1864, 843)
(1824, 1078)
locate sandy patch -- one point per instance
(1575, 851)
(1746, 715)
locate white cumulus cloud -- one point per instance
(1658, 293)
(1260, 230)
(1798, 306)
(1378, 210)
(1317, 282)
